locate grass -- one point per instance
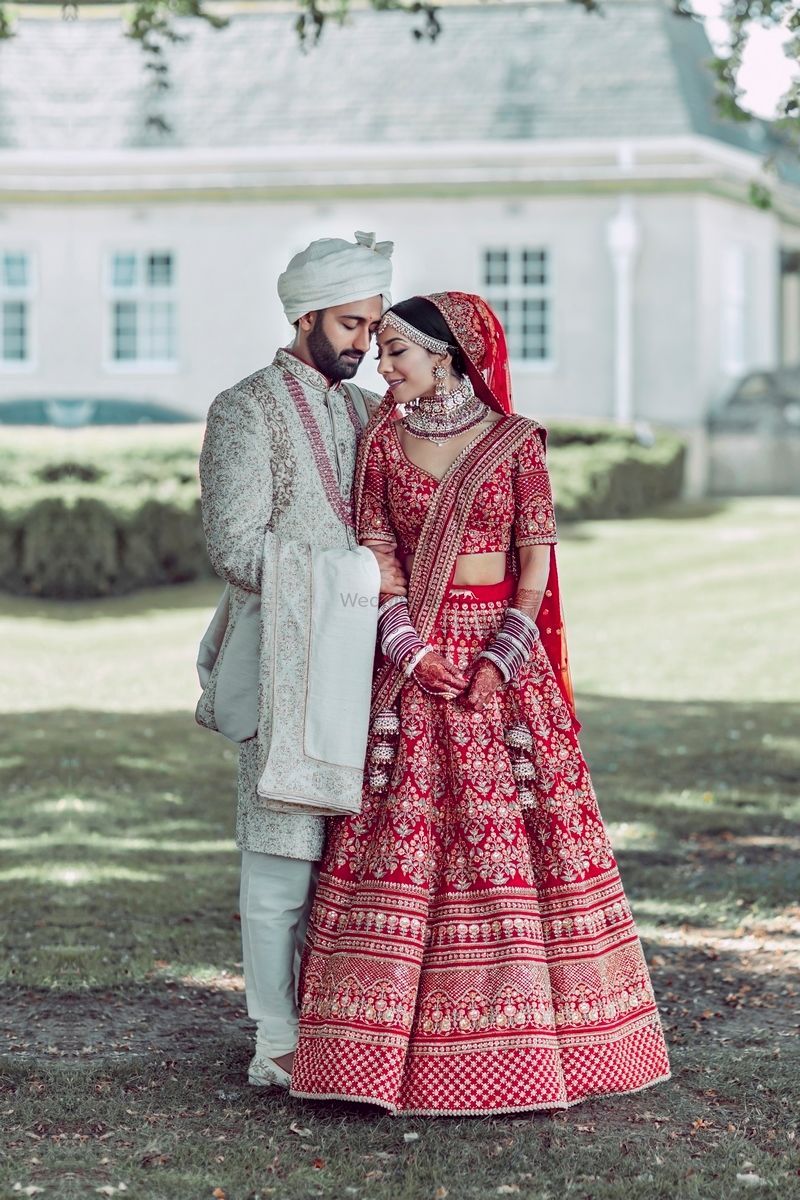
(122, 1021)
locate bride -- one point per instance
(470, 948)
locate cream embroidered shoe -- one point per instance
(263, 1072)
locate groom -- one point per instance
(276, 474)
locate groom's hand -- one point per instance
(393, 577)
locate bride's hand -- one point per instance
(437, 675)
(486, 680)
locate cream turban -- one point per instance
(331, 271)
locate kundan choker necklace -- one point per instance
(440, 417)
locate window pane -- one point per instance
(518, 281)
(535, 315)
(15, 270)
(495, 268)
(124, 331)
(536, 329)
(534, 349)
(15, 331)
(159, 270)
(123, 270)
(534, 268)
(158, 332)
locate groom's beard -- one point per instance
(327, 360)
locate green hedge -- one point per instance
(75, 540)
(103, 512)
(614, 478)
(99, 512)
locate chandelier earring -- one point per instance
(440, 378)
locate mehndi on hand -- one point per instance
(486, 680)
(436, 674)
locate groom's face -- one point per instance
(339, 337)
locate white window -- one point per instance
(16, 297)
(734, 311)
(517, 284)
(143, 309)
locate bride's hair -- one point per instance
(426, 317)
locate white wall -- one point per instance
(666, 387)
(723, 227)
(228, 257)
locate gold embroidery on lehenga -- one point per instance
(471, 948)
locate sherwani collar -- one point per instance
(286, 361)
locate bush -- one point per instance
(615, 478)
(77, 541)
(103, 512)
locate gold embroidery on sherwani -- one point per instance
(258, 477)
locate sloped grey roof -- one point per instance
(541, 70)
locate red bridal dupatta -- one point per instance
(481, 339)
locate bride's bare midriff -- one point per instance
(472, 568)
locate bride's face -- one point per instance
(408, 369)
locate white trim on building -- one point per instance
(177, 173)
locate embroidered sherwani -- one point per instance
(278, 457)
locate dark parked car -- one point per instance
(75, 412)
(767, 401)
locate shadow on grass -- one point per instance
(699, 766)
(180, 1127)
(702, 803)
(151, 1087)
(118, 846)
(708, 989)
(132, 969)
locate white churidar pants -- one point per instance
(274, 902)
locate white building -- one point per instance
(570, 167)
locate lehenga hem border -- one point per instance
(475, 1112)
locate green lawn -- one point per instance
(122, 1022)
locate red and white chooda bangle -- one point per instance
(513, 644)
(399, 640)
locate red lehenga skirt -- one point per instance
(470, 948)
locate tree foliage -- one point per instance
(151, 23)
(741, 17)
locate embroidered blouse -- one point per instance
(516, 498)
